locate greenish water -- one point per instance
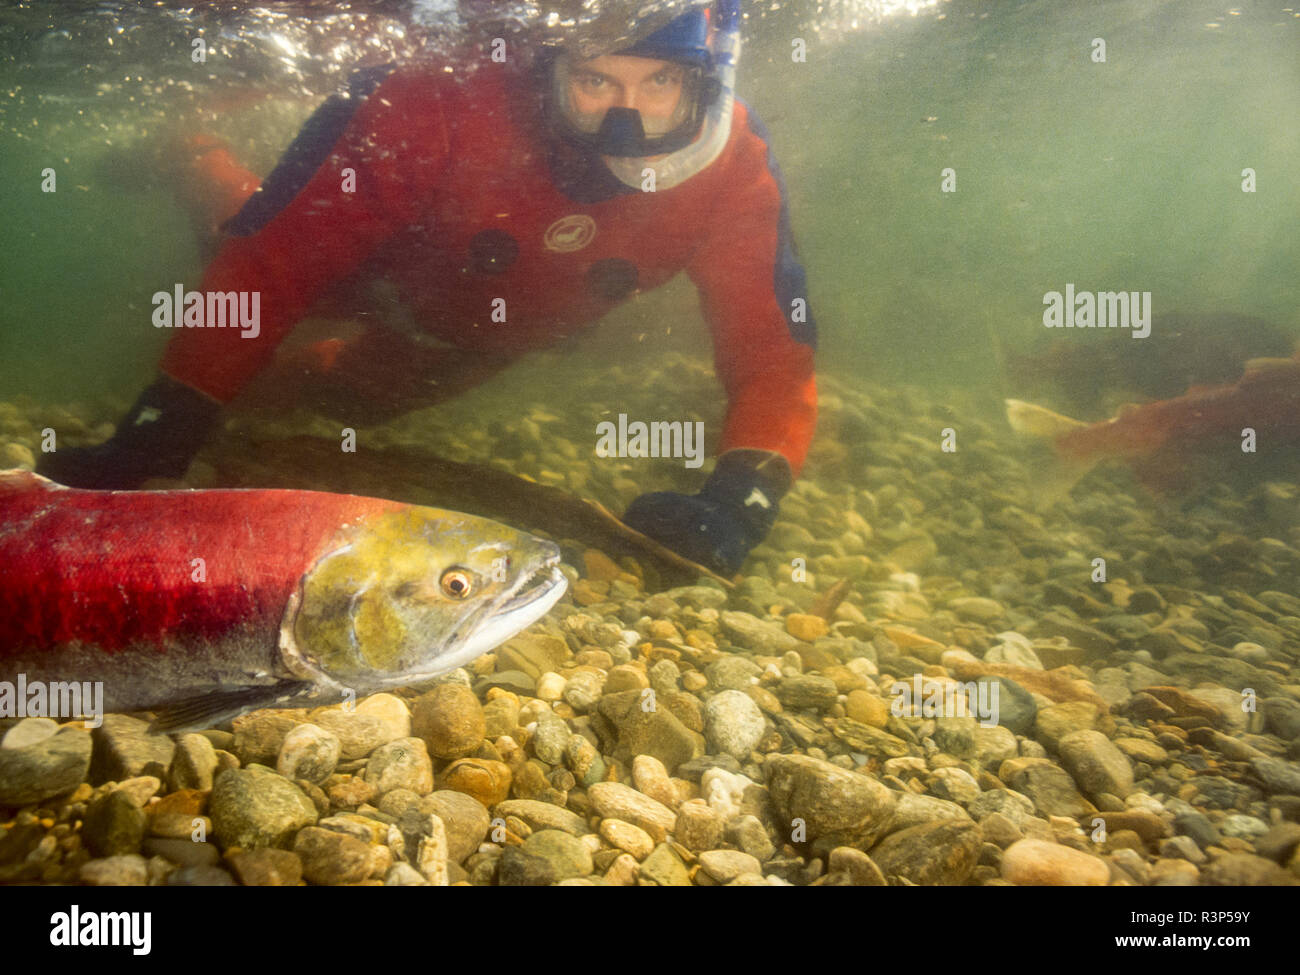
(1119, 175)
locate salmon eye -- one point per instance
(456, 584)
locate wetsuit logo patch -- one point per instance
(571, 233)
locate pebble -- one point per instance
(259, 735)
(465, 821)
(803, 626)
(114, 825)
(1246, 870)
(182, 852)
(939, 854)
(807, 691)
(266, 867)
(1097, 765)
(332, 858)
(404, 875)
(954, 784)
(656, 732)
(450, 720)
(359, 734)
(698, 827)
(1034, 863)
(1047, 785)
(307, 752)
(566, 855)
(732, 672)
(724, 791)
(550, 686)
(544, 815)
(629, 838)
(194, 763)
(650, 777)
(664, 868)
(391, 710)
(837, 807)
(754, 634)
(47, 766)
(618, 801)
(124, 748)
(486, 780)
(129, 870)
(254, 807)
(733, 723)
(725, 866)
(401, 764)
(1277, 775)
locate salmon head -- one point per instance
(412, 593)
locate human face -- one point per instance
(650, 86)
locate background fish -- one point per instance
(1160, 438)
(200, 605)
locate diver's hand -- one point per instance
(733, 513)
(158, 437)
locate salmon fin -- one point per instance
(1054, 483)
(1256, 367)
(1039, 421)
(205, 710)
(17, 480)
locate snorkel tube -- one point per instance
(679, 166)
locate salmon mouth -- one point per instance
(524, 604)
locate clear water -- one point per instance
(1122, 175)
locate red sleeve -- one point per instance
(747, 259)
(396, 142)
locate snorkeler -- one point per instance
(511, 210)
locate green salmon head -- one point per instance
(414, 593)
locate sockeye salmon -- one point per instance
(1157, 437)
(200, 605)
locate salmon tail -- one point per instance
(1054, 483)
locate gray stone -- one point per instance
(183, 853)
(1050, 787)
(124, 748)
(1278, 775)
(1096, 764)
(465, 819)
(934, 854)
(193, 763)
(401, 764)
(542, 815)
(806, 691)
(837, 807)
(733, 723)
(732, 672)
(551, 738)
(46, 767)
(751, 633)
(663, 868)
(129, 870)
(253, 807)
(309, 752)
(567, 855)
(1016, 707)
(358, 734)
(114, 825)
(200, 876)
(1282, 717)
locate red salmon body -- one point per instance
(116, 569)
